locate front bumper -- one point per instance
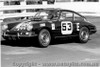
(18, 35)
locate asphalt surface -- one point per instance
(18, 54)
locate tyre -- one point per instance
(44, 38)
(84, 35)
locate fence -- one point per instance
(83, 7)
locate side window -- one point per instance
(66, 16)
(53, 15)
(77, 17)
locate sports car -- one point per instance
(49, 24)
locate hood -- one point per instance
(14, 24)
(11, 25)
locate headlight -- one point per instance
(24, 26)
(29, 27)
(4, 27)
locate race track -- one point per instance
(14, 54)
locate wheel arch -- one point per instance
(86, 27)
(47, 29)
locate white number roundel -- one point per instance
(66, 27)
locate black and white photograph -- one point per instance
(50, 33)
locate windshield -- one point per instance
(43, 15)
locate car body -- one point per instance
(49, 24)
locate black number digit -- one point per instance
(69, 24)
(64, 26)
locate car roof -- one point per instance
(55, 9)
(59, 9)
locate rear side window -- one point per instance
(77, 17)
(66, 16)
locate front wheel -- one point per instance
(84, 35)
(44, 38)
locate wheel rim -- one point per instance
(44, 38)
(84, 35)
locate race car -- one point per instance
(49, 24)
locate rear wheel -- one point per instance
(84, 35)
(44, 38)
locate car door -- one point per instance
(65, 23)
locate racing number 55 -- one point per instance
(66, 27)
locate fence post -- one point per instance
(1, 4)
(23, 3)
(1, 13)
